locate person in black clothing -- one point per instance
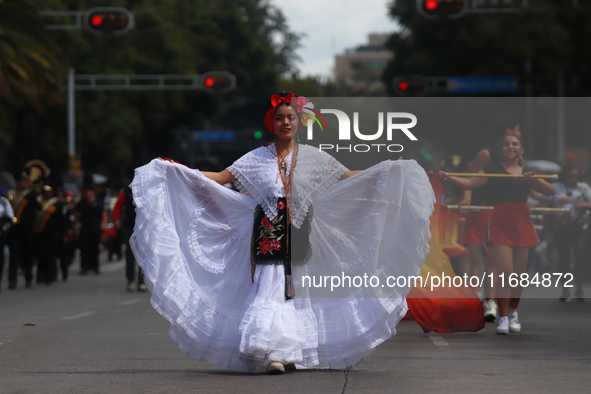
(124, 217)
(49, 230)
(67, 244)
(25, 203)
(91, 219)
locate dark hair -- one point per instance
(566, 169)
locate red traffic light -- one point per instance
(218, 81)
(109, 20)
(96, 20)
(430, 5)
(410, 85)
(442, 8)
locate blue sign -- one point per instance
(213, 135)
(482, 85)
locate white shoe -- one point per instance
(275, 368)
(514, 325)
(491, 311)
(503, 326)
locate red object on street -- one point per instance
(443, 309)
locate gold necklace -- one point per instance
(286, 180)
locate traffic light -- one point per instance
(410, 85)
(218, 82)
(253, 133)
(112, 20)
(442, 8)
(426, 155)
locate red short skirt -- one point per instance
(476, 229)
(510, 224)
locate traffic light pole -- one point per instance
(457, 8)
(226, 81)
(71, 117)
(73, 14)
(525, 7)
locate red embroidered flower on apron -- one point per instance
(270, 233)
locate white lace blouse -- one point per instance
(257, 174)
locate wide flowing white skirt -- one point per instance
(192, 238)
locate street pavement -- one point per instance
(89, 335)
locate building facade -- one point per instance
(361, 68)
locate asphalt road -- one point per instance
(89, 335)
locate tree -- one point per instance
(31, 67)
(546, 43)
(118, 131)
(476, 44)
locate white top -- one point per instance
(314, 173)
(6, 208)
(572, 197)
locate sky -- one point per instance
(331, 27)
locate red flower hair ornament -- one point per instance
(303, 107)
(514, 132)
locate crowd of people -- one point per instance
(504, 240)
(43, 225)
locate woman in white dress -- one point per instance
(196, 242)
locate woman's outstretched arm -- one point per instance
(221, 177)
(539, 184)
(468, 183)
(348, 174)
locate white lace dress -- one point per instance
(193, 240)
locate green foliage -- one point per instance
(478, 44)
(30, 65)
(499, 44)
(120, 130)
(307, 87)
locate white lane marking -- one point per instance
(439, 341)
(78, 316)
(130, 302)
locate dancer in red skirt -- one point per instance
(475, 233)
(511, 231)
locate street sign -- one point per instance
(213, 135)
(482, 85)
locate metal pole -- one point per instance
(529, 123)
(560, 118)
(486, 175)
(71, 116)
